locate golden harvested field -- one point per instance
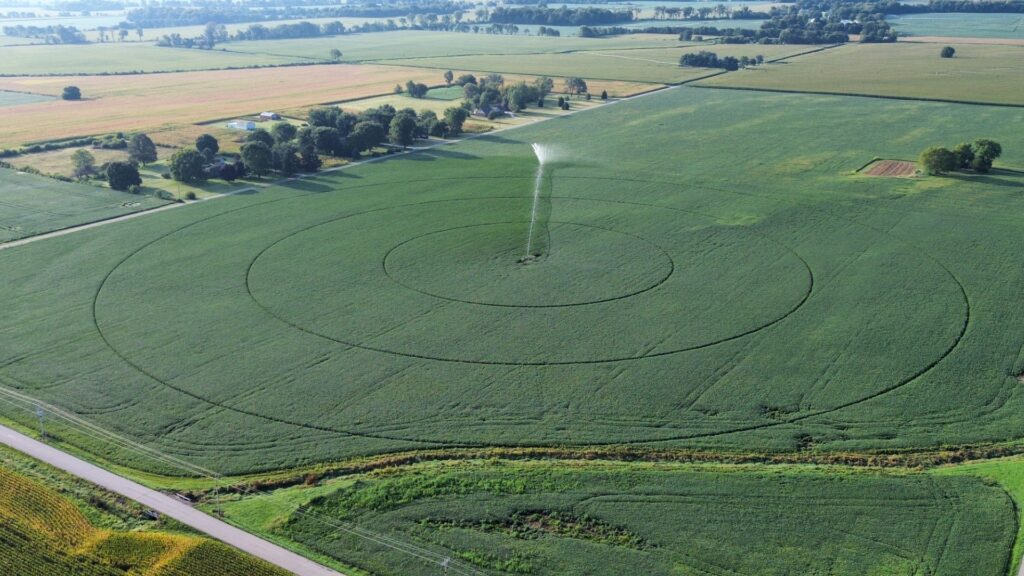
(59, 161)
(159, 101)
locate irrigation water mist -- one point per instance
(544, 154)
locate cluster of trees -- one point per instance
(719, 11)
(806, 22)
(168, 14)
(417, 89)
(492, 96)
(216, 33)
(705, 59)
(602, 31)
(334, 132)
(977, 156)
(56, 34)
(197, 164)
(563, 16)
(120, 175)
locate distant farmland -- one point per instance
(152, 102)
(978, 73)
(125, 58)
(638, 65)
(969, 25)
(421, 44)
(32, 204)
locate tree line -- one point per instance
(977, 156)
(55, 34)
(705, 59)
(563, 16)
(719, 11)
(166, 15)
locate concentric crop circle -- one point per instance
(616, 283)
(334, 313)
(487, 264)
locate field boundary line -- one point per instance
(861, 95)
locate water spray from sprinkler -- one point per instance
(543, 154)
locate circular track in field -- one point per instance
(443, 282)
(486, 264)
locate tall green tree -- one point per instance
(285, 157)
(83, 163)
(449, 76)
(309, 160)
(187, 166)
(141, 149)
(123, 175)
(367, 134)
(71, 93)
(455, 117)
(257, 157)
(575, 85)
(283, 132)
(403, 128)
(964, 155)
(937, 160)
(207, 142)
(327, 140)
(985, 152)
(947, 52)
(260, 135)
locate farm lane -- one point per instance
(167, 505)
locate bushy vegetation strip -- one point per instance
(542, 518)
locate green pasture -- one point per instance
(125, 57)
(423, 44)
(448, 93)
(967, 25)
(538, 518)
(978, 73)
(713, 274)
(8, 98)
(32, 204)
(1009, 473)
(659, 65)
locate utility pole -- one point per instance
(41, 414)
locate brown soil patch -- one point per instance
(892, 169)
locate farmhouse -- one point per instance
(269, 116)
